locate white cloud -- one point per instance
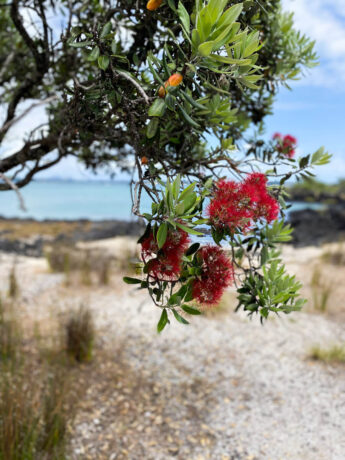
(323, 21)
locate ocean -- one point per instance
(69, 200)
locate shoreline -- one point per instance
(28, 236)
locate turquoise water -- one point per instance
(71, 200)
(80, 200)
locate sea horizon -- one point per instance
(71, 199)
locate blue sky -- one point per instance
(313, 111)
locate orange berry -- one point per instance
(175, 79)
(153, 4)
(144, 160)
(161, 92)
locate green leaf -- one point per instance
(215, 9)
(106, 29)
(94, 54)
(188, 229)
(81, 44)
(162, 234)
(163, 320)
(188, 119)
(175, 299)
(192, 249)
(230, 15)
(228, 60)
(179, 318)
(129, 280)
(179, 209)
(171, 3)
(304, 161)
(146, 234)
(205, 49)
(184, 16)
(264, 255)
(189, 201)
(187, 191)
(103, 62)
(157, 109)
(190, 310)
(176, 186)
(152, 128)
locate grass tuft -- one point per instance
(79, 335)
(35, 400)
(13, 289)
(9, 335)
(321, 290)
(333, 354)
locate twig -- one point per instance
(15, 189)
(79, 85)
(7, 62)
(22, 115)
(136, 84)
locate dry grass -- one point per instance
(35, 400)
(9, 333)
(13, 286)
(79, 334)
(333, 354)
(34, 413)
(322, 290)
(334, 256)
(87, 266)
(15, 229)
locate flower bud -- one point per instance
(153, 4)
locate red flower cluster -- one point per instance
(286, 144)
(236, 205)
(217, 274)
(165, 264)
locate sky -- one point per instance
(313, 111)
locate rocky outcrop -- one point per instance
(316, 227)
(85, 231)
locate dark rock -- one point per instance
(86, 231)
(317, 227)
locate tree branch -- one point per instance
(14, 187)
(7, 125)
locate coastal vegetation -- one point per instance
(313, 190)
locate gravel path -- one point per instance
(221, 388)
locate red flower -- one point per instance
(165, 267)
(285, 144)
(165, 264)
(228, 209)
(217, 274)
(234, 206)
(264, 206)
(267, 208)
